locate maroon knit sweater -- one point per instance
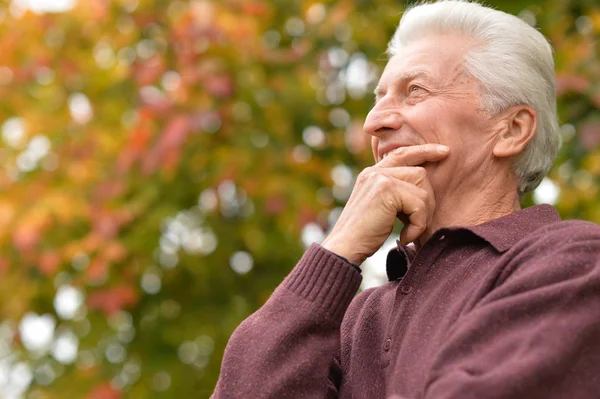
(505, 309)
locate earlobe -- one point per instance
(519, 127)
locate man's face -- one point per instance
(425, 96)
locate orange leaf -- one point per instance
(97, 270)
(26, 237)
(48, 262)
(104, 391)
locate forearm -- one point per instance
(287, 347)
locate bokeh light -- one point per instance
(165, 164)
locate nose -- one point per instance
(382, 120)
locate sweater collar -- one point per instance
(501, 233)
(504, 232)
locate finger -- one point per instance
(415, 155)
(410, 233)
(415, 209)
(412, 207)
(416, 175)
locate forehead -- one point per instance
(436, 57)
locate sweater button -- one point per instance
(387, 345)
(406, 289)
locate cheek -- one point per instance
(428, 121)
(456, 125)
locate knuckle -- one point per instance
(383, 181)
(399, 153)
(422, 194)
(420, 173)
(419, 206)
(401, 150)
(389, 202)
(420, 170)
(364, 174)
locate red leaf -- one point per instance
(108, 190)
(571, 83)
(104, 391)
(97, 270)
(48, 262)
(105, 224)
(219, 85)
(256, 8)
(112, 300)
(275, 205)
(25, 238)
(590, 135)
(169, 144)
(306, 216)
(138, 141)
(147, 72)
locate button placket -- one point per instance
(418, 268)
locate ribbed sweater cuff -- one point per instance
(323, 278)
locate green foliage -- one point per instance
(163, 158)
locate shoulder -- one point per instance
(555, 252)
(561, 235)
(576, 229)
(569, 236)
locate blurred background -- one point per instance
(163, 165)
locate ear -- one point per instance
(519, 127)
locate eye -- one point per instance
(413, 88)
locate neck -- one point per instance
(472, 207)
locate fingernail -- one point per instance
(443, 148)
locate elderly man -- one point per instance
(491, 301)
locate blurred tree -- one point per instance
(164, 162)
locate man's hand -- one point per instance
(393, 187)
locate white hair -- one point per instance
(513, 63)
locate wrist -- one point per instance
(342, 251)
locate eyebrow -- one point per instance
(403, 78)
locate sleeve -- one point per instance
(535, 335)
(289, 348)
